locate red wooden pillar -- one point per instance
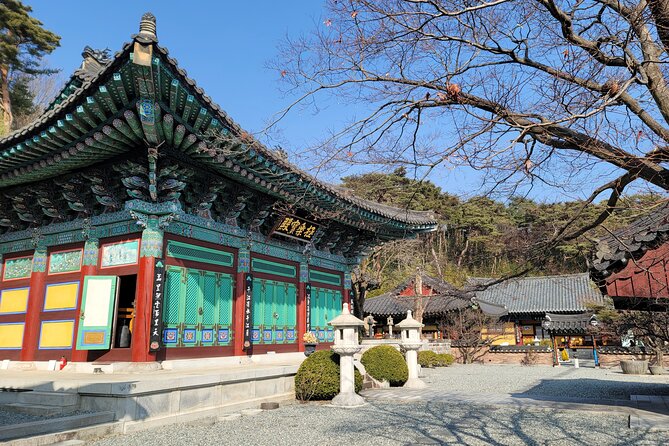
(140, 336)
(239, 304)
(35, 300)
(151, 248)
(346, 295)
(301, 312)
(238, 313)
(89, 267)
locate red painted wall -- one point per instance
(642, 277)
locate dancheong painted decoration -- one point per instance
(133, 162)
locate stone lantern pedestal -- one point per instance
(410, 344)
(346, 345)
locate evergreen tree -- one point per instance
(23, 43)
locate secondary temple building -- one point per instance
(140, 223)
(631, 264)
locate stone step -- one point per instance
(38, 409)
(49, 398)
(59, 429)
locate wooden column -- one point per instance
(346, 295)
(301, 315)
(238, 313)
(35, 299)
(89, 267)
(140, 335)
(556, 359)
(302, 305)
(239, 304)
(151, 248)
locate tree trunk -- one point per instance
(463, 252)
(660, 12)
(5, 105)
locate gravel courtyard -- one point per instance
(439, 422)
(564, 382)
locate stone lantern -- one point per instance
(346, 345)
(410, 332)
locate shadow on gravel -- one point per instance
(469, 425)
(593, 389)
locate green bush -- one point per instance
(386, 363)
(318, 377)
(444, 360)
(427, 358)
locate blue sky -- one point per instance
(226, 47)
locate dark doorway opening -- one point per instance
(125, 311)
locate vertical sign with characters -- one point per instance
(156, 338)
(307, 301)
(248, 305)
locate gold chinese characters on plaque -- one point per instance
(295, 227)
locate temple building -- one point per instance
(630, 265)
(140, 223)
(430, 299)
(531, 300)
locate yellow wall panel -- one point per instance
(56, 334)
(11, 335)
(14, 301)
(61, 296)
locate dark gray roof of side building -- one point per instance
(645, 233)
(446, 298)
(548, 294)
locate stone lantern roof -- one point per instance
(346, 319)
(409, 322)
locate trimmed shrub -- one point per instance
(427, 358)
(386, 363)
(318, 377)
(444, 360)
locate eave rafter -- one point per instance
(142, 107)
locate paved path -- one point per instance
(645, 411)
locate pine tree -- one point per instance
(23, 43)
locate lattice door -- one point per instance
(325, 306)
(274, 312)
(198, 307)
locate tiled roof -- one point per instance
(90, 81)
(446, 298)
(615, 249)
(548, 294)
(568, 323)
(386, 305)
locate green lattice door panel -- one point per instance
(326, 304)
(274, 312)
(198, 308)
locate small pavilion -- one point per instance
(560, 326)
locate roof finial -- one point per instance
(147, 26)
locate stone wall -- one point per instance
(610, 361)
(486, 357)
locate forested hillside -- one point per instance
(483, 237)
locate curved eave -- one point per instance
(99, 120)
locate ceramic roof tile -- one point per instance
(446, 298)
(644, 233)
(548, 294)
